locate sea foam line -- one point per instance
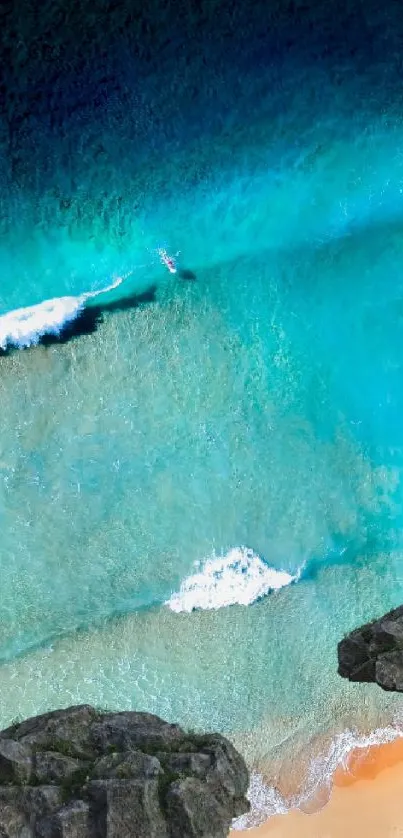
(266, 801)
(241, 577)
(25, 327)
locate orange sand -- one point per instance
(366, 802)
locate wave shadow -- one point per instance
(68, 318)
(91, 317)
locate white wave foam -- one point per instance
(239, 578)
(323, 767)
(267, 801)
(24, 327)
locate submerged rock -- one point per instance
(374, 652)
(79, 773)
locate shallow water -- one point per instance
(259, 405)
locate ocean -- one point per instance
(201, 472)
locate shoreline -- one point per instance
(365, 799)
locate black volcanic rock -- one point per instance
(374, 652)
(80, 773)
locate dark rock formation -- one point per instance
(79, 773)
(374, 652)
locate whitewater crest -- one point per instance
(241, 577)
(25, 327)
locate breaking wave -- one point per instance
(25, 327)
(241, 577)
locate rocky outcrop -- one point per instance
(374, 652)
(80, 773)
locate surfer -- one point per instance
(168, 261)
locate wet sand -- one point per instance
(366, 801)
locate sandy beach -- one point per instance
(366, 801)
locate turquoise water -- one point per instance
(259, 405)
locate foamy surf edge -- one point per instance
(241, 577)
(24, 327)
(266, 801)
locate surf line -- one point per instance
(24, 327)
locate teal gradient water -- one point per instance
(260, 405)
